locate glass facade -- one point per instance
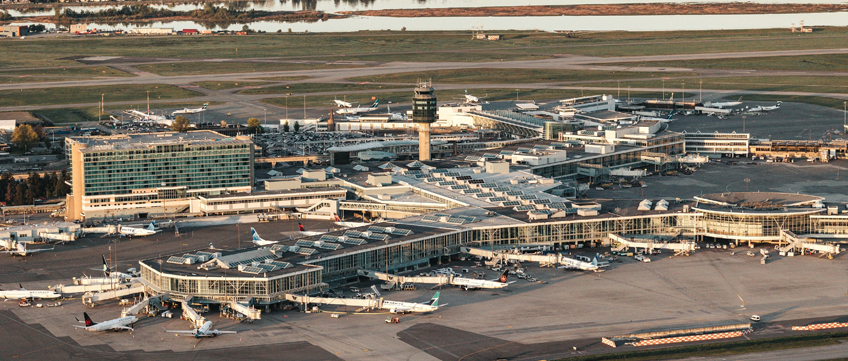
(120, 171)
(231, 288)
(754, 226)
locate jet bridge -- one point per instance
(799, 244)
(103, 230)
(152, 301)
(400, 280)
(88, 288)
(543, 259)
(369, 303)
(91, 299)
(59, 237)
(649, 244)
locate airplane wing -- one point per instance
(84, 327)
(216, 332)
(38, 250)
(122, 328)
(182, 332)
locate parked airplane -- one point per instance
(358, 110)
(191, 110)
(343, 104)
(19, 249)
(473, 284)
(151, 118)
(409, 307)
(114, 324)
(721, 105)
(760, 108)
(573, 264)
(259, 241)
(24, 293)
(113, 274)
(204, 331)
(140, 232)
(470, 99)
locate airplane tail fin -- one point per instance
(88, 321)
(105, 266)
(435, 300)
(595, 260)
(255, 235)
(22, 287)
(778, 103)
(205, 105)
(504, 276)
(376, 103)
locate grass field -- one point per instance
(221, 85)
(416, 46)
(812, 84)
(722, 348)
(833, 62)
(504, 76)
(90, 114)
(59, 74)
(73, 95)
(318, 88)
(192, 68)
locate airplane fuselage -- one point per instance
(28, 294)
(472, 283)
(116, 324)
(406, 307)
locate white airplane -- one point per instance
(151, 118)
(259, 241)
(19, 249)
(343, 104)
(760, 108)
(113, 274)
(470, 99)
(574, 264)
(357, 110)
(472, 284)
(114, 324)
(24, 293)
(204, 331)
(721, 105)
(191, 110)
(140, 232)
(409, 307)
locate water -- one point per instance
(331, 6)
(545, 23)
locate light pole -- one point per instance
(663, 94)
(743, 123)
(700, 85)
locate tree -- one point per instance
(20, 193)
(286, 127)
(253, 125)
(180, 124)
(296, 126)
(24, 136)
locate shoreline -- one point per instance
(609, 10)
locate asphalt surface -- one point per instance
(340, 75)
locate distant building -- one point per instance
(140, 174)
(8, 126)
(189, 32)
(78, 28)
(152, 31)
(14, 30)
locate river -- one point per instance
(544, 23)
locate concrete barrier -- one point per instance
(819, 326)
(688, 331)
(608, 342)
(707, 337)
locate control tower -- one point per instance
(424, 113)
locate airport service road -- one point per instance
(524, 321)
